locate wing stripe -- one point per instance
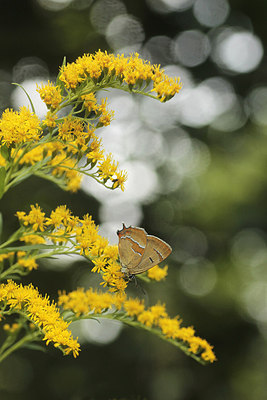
(132, 240)
(160, 255)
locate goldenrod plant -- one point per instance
(62, 148)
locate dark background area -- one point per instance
(210, 202)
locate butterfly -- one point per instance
(139, 251)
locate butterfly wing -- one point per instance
(132, 244)
(156, 250)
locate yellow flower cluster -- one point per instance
(91, 302)
(83, 302)
(110, 70)
(50, 94)
(32, 239)
(39, 310)
(2, 161)
(62, 226)
(156, 273)
(11, 328)
(17, 127)
(100, 110)
(35, 218)
(63, 149)
(5, 256)
(26, 261)
(82, 233)
(61, 156)
(59, 162)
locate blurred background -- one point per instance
(197, 179)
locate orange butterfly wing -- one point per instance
(156, 251)
(132, 244)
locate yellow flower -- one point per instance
(32, 239)
(105, 115)
(84, 302)
(21, 254)
(11, 328)
(208, 354)
(70, 128)
(41, 312)
(133, 307)
(130, 70)
(75, 301)
(2, 161)
(158, 311)
(98, 246)
(59, 236)
(36, 218)
(86, 235)
(166, 87)
(146, 318)
(99, 264)
(61, 215)
(107, 168)
(89, 66)
(113, 277)
(18, 127)
(111, 252)
(63, 166)
(5, 256)
(118, 299)
(157, 273)
(121, 177)
(92, 302)
(50, 94)
(33, 155)
(90, 102)
(28, 263)
(71, 75)
(95, 152)
(169, 326)
(50, 120)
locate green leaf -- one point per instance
(29, 247)
(1, 225)
(31, 103)
(58, 81)
(5, 152)
(2, 181)
(14, 277)
(34, 346)
(1, 266)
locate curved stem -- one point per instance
(12, 238)
(136, 324)
(18, 344)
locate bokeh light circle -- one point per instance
(237, 51)
(257, 102)
(191, 48)
(102, 331)
(54, 5)
(211, 13)
(100, 19)
(124, 31)
(167, 6)
(198, 277)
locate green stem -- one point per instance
(50, 178)
(18, 344)
(16, 269)
(136, 324)
(12, 238)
